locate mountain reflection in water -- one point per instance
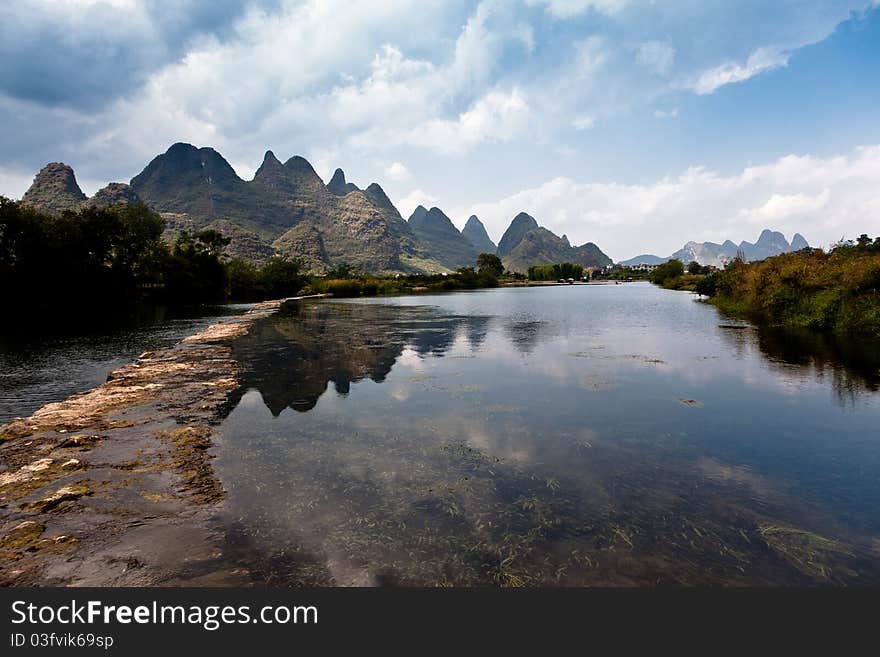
(582, 436)
(291, 357)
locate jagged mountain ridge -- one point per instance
(286, 209)
(442, 239)
(769, 243)
(540, 246)
(359, 228)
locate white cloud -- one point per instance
(397, 171)
(497, 116)
(782, 206)
(13, 183)
(822, 198)
(656, 56)
(570, 8)
(411, 201)
(357, 82)
(762, 59)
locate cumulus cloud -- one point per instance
(397, 171)
(83, 53)
(497, 116)
(822, 198)
(362, 81)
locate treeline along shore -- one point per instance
(114, 256)
(835, 290)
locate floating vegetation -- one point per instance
(811, 553)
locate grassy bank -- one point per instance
(837, 291)
(366, 285)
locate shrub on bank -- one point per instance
(838, 290)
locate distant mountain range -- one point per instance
(525, 243)
(288, 210)
(770, 243)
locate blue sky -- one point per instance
(634, 124)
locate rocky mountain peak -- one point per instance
(113, 194)
(441, 238)
(337, 182)
(521, 224)
(184, 164)
(300, 164)
(798, 242)
(380, 198)
(475, 232)
(54, 189)
(418, 215)
(339, 186)
(269, 159)
(438, 219)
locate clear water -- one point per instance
(585, 435)
(37, 368)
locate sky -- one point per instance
(634, 124)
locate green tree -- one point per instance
(282, 277)
(667, 271)
(341, 270)
(194, 273)
(491, 263)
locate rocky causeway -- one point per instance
(114, 486)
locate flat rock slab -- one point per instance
(93, 486)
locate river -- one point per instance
(582, 435)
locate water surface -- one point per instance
(584, 435)
(38, 367)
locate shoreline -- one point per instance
(113, 486)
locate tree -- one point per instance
(694, 267)
(491, 263)
(707, 286)
(667, 271)
(341, 270)
(194, 273)
(282, 277)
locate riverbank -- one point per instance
(114, 486)
(836, 291)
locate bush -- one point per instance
(344, 288)
(839, 290)
(667, 271)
